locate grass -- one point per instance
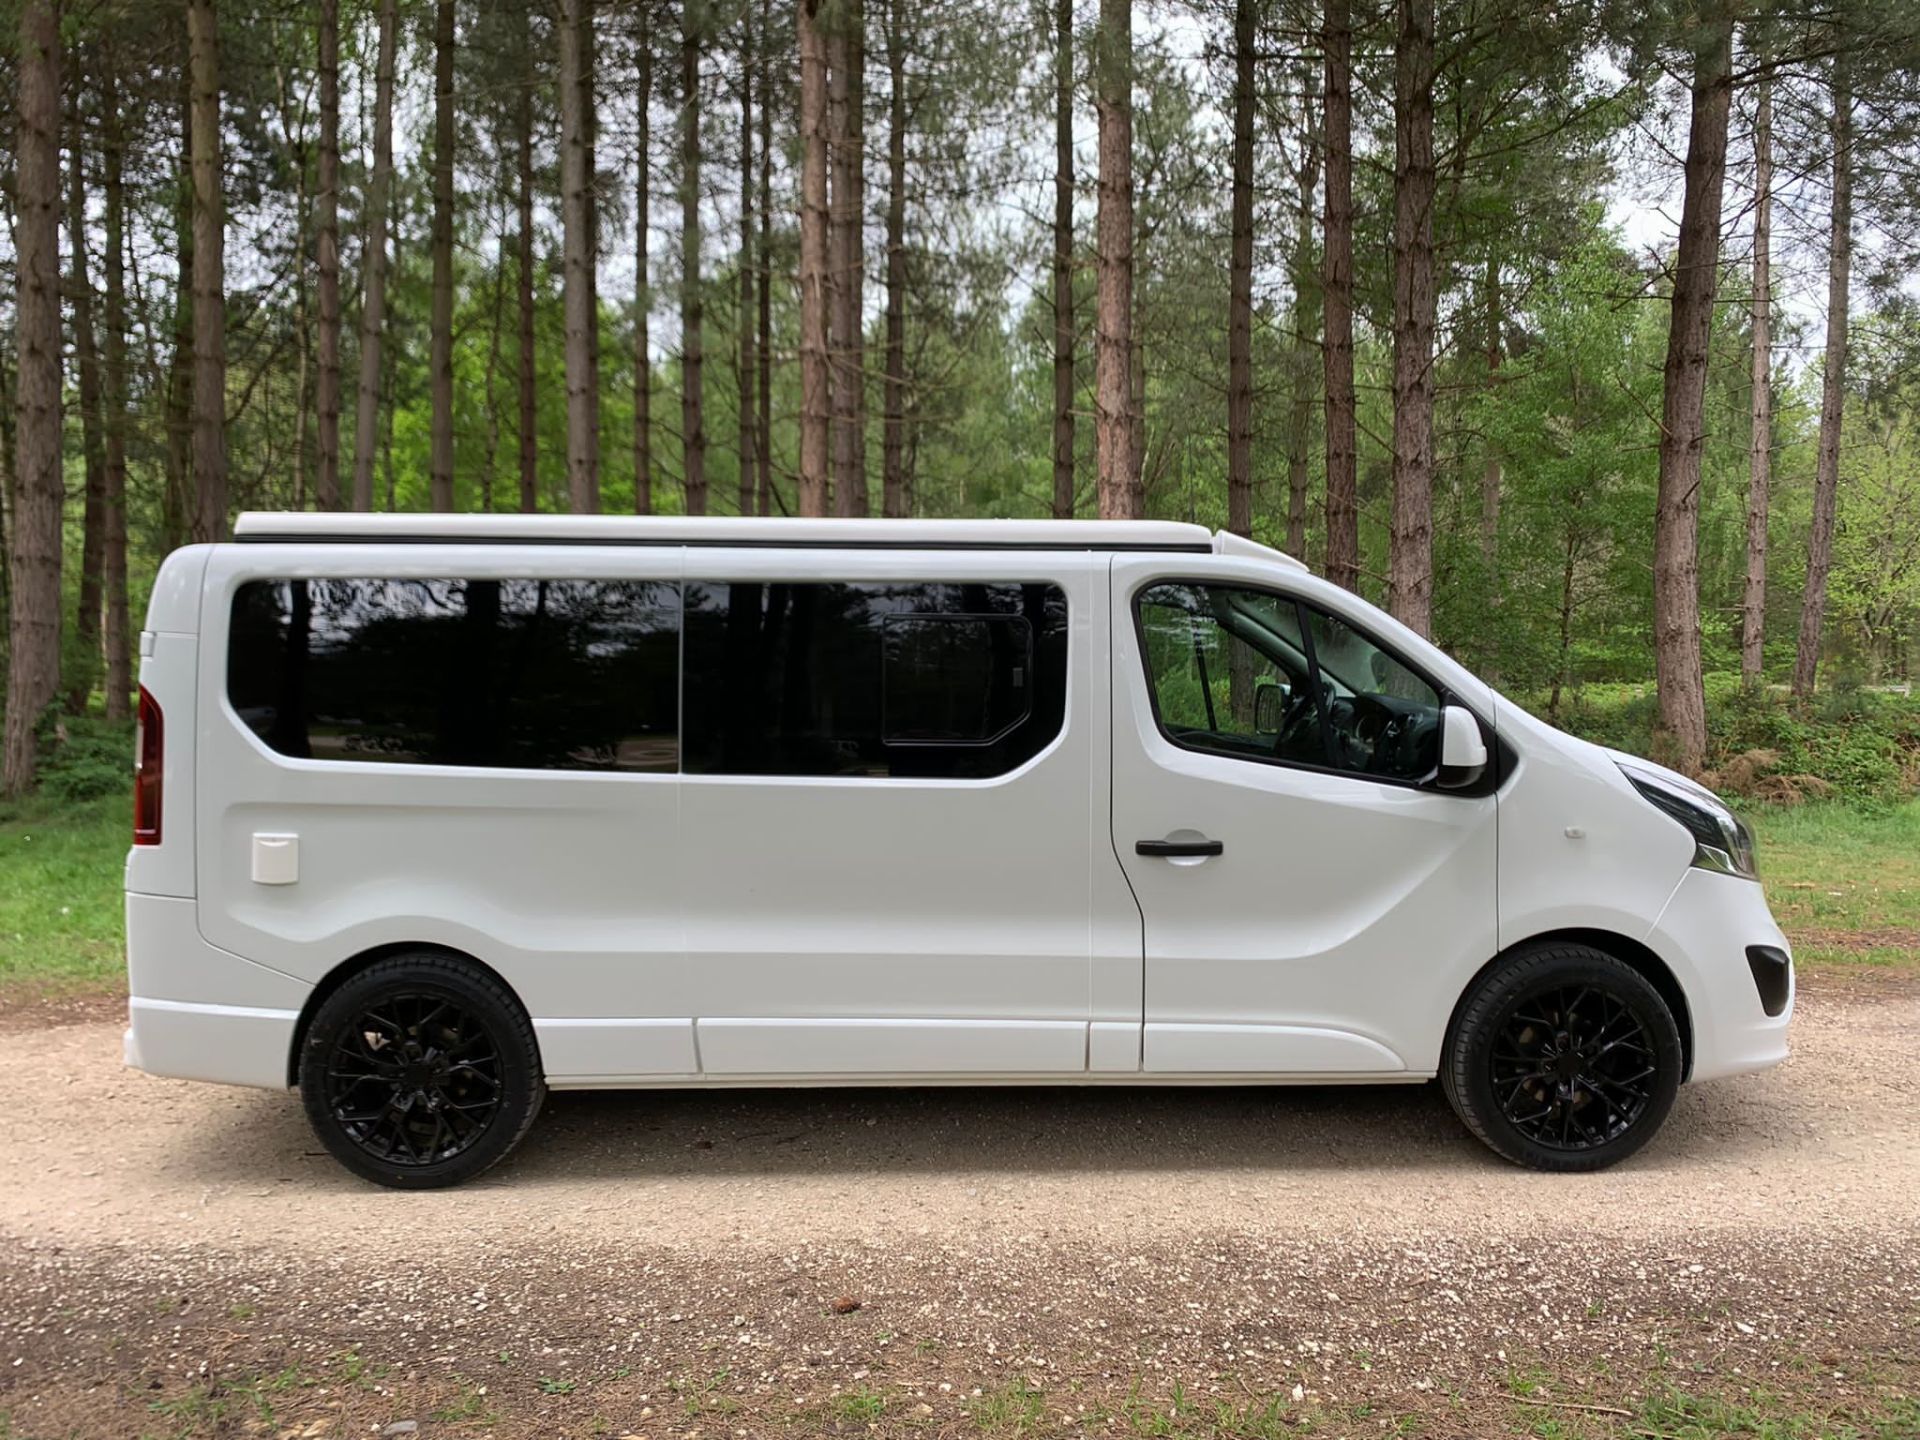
(1671, 1413)
(60, 887)
(1843, 880)
(1844, 883)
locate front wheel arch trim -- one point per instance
(1634, 954)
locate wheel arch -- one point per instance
(354, 964)
(1635, 954)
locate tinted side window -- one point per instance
(1259, 676)
(526, 674)
(959, 681)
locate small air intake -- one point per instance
(1772, 976)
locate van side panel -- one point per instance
(891, 925)
(565, 882)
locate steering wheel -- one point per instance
(1300, 713)
(1376, 733)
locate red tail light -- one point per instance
(149, 765)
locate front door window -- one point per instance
(1254, 675)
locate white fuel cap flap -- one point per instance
(276, 859)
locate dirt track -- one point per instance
(1104, 1233)
(1830, 1140)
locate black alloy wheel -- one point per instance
(1573, 1067)
(420, 1071)
(1563, 1058)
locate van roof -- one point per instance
(417, 529)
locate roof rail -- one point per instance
(258, 527)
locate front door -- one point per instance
(1313, 903)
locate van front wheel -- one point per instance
(421, 1071)
(1563, 1058)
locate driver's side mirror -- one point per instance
(1269, 706)
(1463, 750)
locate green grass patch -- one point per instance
(61, 872)
(1844, 882)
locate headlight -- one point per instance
(1720, 841)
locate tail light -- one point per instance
(149, 766)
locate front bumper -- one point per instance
(1703, 934)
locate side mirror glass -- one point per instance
(1269, 706)
(1463, 750)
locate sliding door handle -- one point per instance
(1179, 849)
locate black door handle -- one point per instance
(1169, 849)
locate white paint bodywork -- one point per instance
(666, 929)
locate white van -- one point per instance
(435, 813)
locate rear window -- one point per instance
(917, 679)
(524, 674)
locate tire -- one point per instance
(1563, 1058)
(448, 1072)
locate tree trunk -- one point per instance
(373, 274)
(527, 360)
(386, 439)
(176, 506)
(113, 563)
(303, 331)
(440, 339)
(327, 255)
(1306, 307)
(209, 280)
(1240, 285)
(1410, 559)
(33, 575)
(1491, 474)
(6, 478)
(642, 289)
(894, 499)
(1343, 503)
(742, 323)
(1063, 330)
(1116, 463)
(1137, 409)
(763, 350)
(573, 29)
(814, 419)
(693, 424)
(1676, 558)
(1753, 600)
(490, 470)
(1833, 382)
(847, 110)
(86, 349)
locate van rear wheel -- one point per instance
(421, 1071)
(1563, 1058)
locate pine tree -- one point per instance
(1115, 436)
(1676, 556)
(33, 574)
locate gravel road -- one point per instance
(1831, 1140)
(1275, 1236)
